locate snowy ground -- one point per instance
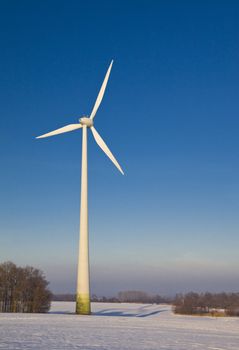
(117, 327)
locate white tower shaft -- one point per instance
(83, 274)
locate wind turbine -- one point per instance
(83, 274)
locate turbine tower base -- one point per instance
(83, 304)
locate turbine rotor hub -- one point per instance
(86, 121)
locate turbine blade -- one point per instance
(101, 93)
(66, 128)
(104, 148)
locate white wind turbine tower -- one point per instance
(83, 280)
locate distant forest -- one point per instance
(23, 289)
(212, 304)
(132, 296)
(219, 304)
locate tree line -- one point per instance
(131, 296)
(218, 304)
(215, 304)
(135, 296)
(23, 289)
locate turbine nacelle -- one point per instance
(86, 121)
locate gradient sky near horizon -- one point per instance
(170, 115)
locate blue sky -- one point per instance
(169, 115)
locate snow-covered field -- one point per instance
(117, 326)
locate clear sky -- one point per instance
(170, 115)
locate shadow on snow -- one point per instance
(126, 313)
(144, 311)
